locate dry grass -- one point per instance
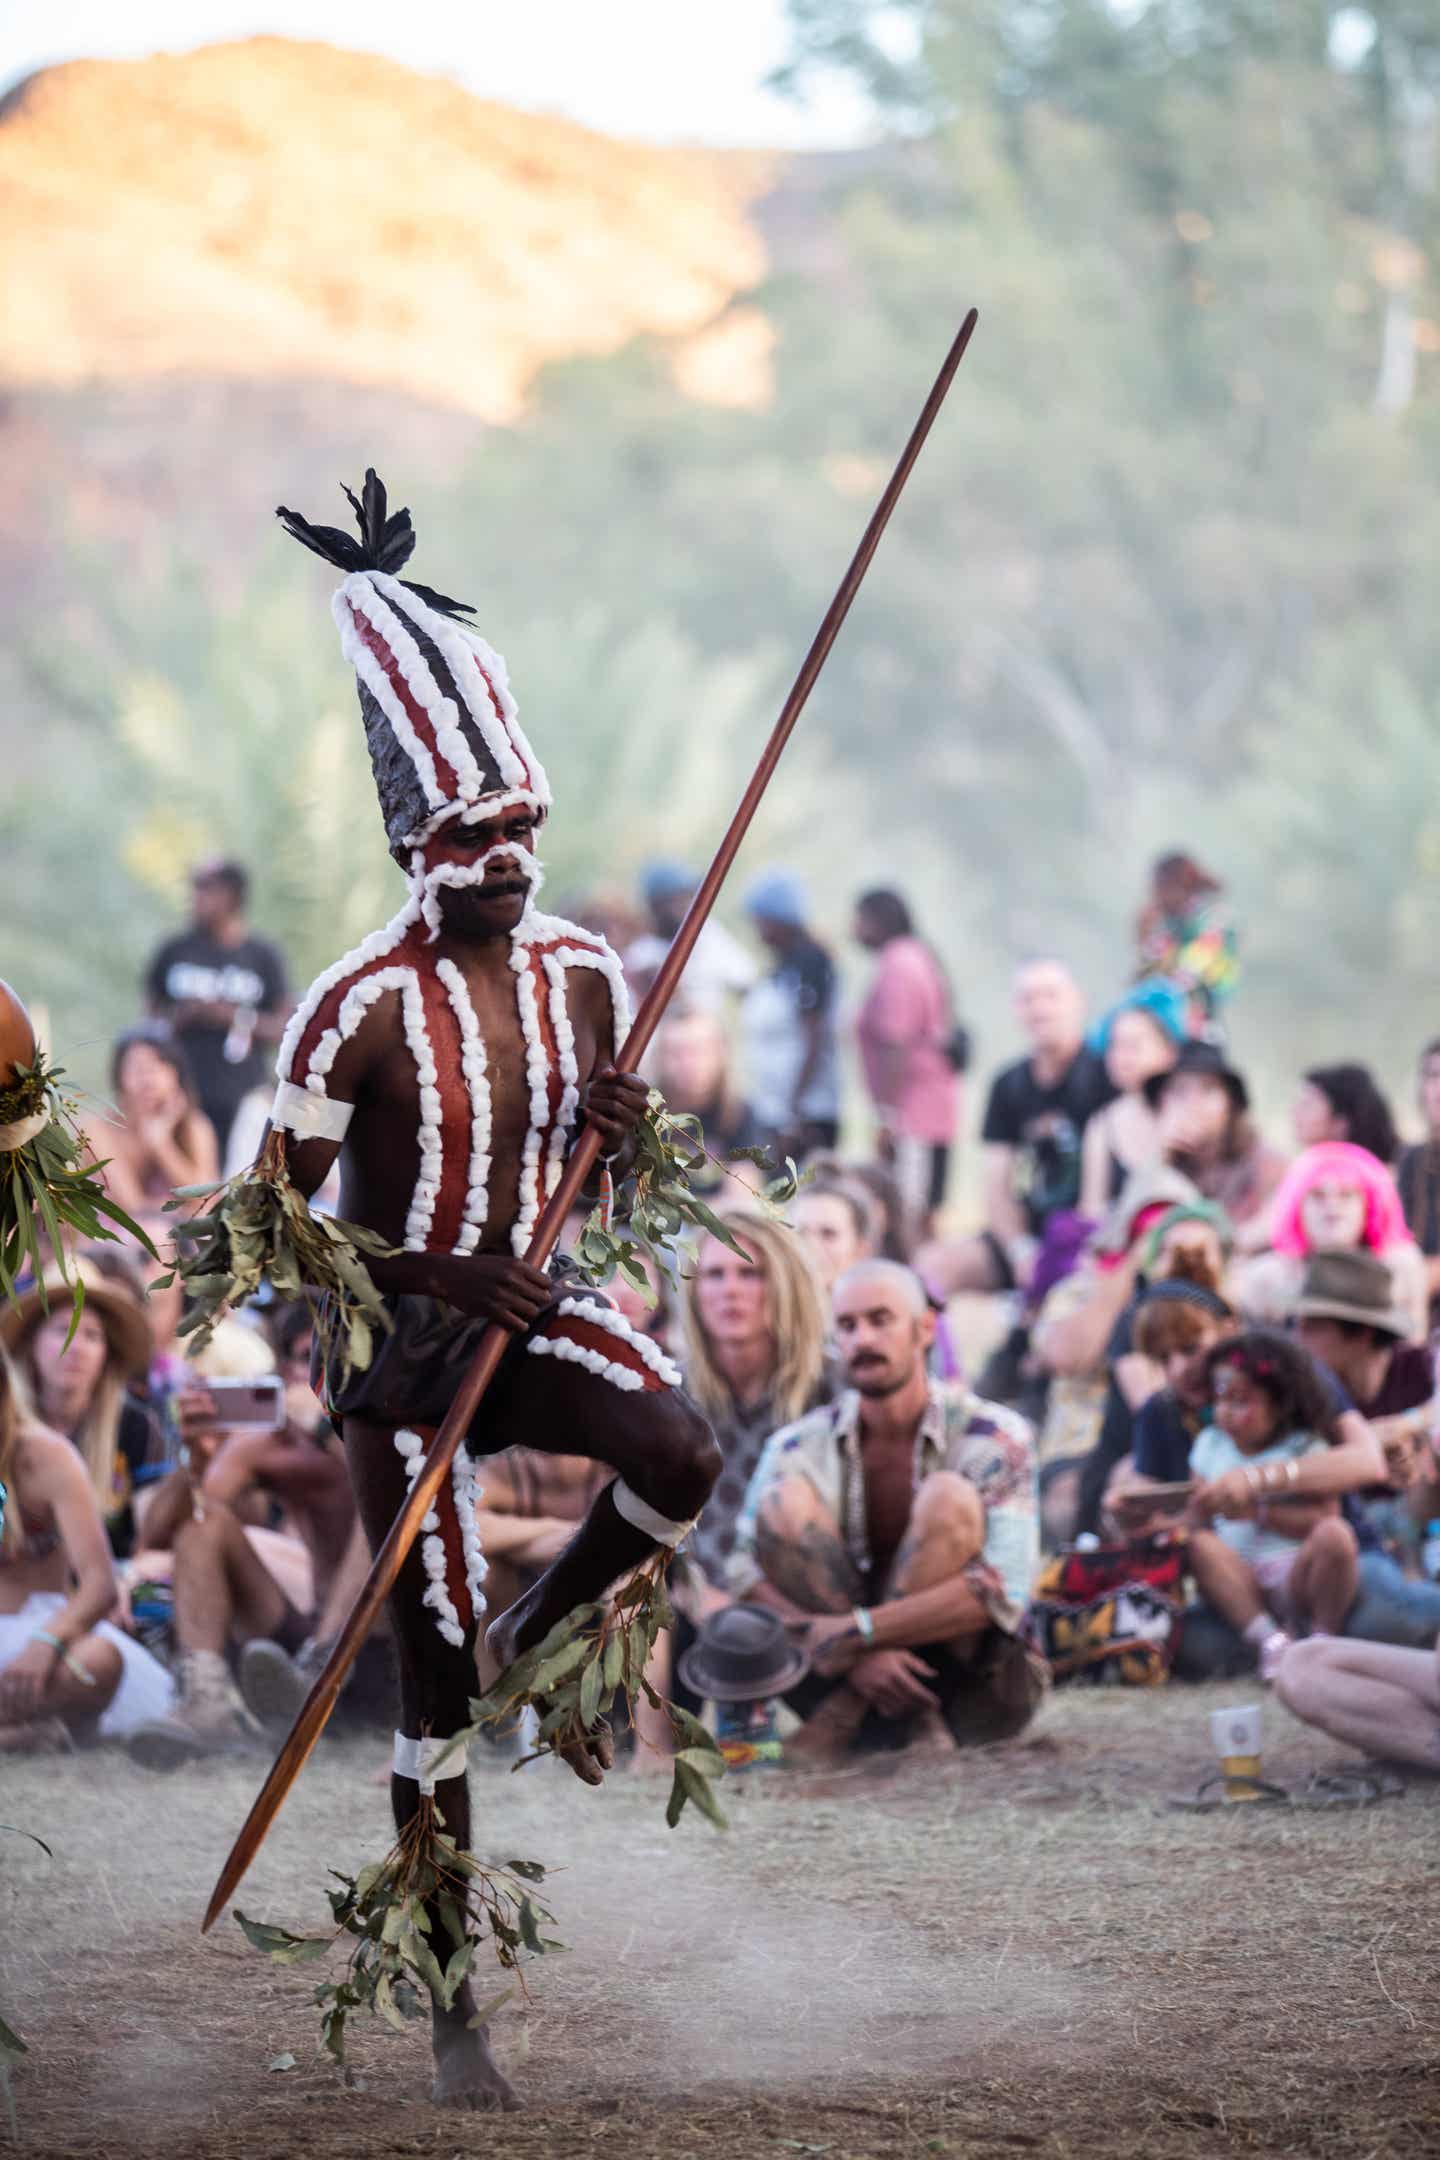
(1033, 1956)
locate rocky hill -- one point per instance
(274, 210)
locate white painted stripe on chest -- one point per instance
(477, 1087)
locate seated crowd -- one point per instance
(1200, 1436)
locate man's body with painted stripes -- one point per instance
(449, 1063)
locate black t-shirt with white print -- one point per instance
(195, 967)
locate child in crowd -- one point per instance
(1287, 1561)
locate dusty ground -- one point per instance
(1032, 1957)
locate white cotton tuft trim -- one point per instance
(615, 1323)
(371, 948)
(574, 1353)
(357, 594)
(467, 1487)
(426, 882)
(465, 666)
(442, 713)
(477, 1084)
(411, 1449)
(537, 1077)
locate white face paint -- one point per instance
(428, 875)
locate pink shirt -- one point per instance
(907, 1008)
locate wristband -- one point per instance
(864, 1622)
(66, 1656)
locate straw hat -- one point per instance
(126, 1322)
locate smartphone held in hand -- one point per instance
(250, 1405)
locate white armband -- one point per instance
(644, 1517)
(309, 1117)
(419, 1759)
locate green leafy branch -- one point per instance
(570, 1681)
(261, 1230)
(396, 1961)
(658, 1202)
(51, 1185)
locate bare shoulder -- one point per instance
(366, 1039)
(46, 1465)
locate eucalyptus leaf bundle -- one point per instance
(396, 1961)
(571, 1679)
(50, 1184)
(659, 1205)
(260, 1230)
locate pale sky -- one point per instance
(662, 70)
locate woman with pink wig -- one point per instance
(1335, 1198)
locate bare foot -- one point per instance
(40, 1736)
(932, 1740)
(509, 1636)
(826, 1737)
(590, 1758)
(465, 2072)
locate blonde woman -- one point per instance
(63, 1668)
(755, 1324)
(79, 1387)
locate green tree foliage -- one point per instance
(1164, 575)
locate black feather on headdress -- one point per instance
(386, 543)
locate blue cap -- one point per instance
(1165, 1002)
(779, 896)
(663, 878)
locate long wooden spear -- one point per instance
(389, 1560)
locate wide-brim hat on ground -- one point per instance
(1207, 1061)
(126, 1322)
(742, 1654)
(1354, 1286)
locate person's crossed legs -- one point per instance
(1372, 1696)
(804, 1557)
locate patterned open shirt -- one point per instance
(990, 1446)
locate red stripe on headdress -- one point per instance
(446, 777)
(528, 782)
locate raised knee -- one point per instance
(101, 1659)
(789, 1508)
(202, 1532)
(945, 1498)
(1333, 1539)
(686, 1469)
(1300, 1673)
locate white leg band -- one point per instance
(309, 1116)
(646, 1518)
(418, 1759)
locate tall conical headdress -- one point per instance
(442, 728)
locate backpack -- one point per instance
(1109, 1615)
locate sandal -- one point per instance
(1215, 1792)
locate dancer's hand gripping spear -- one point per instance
(388, 1561)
